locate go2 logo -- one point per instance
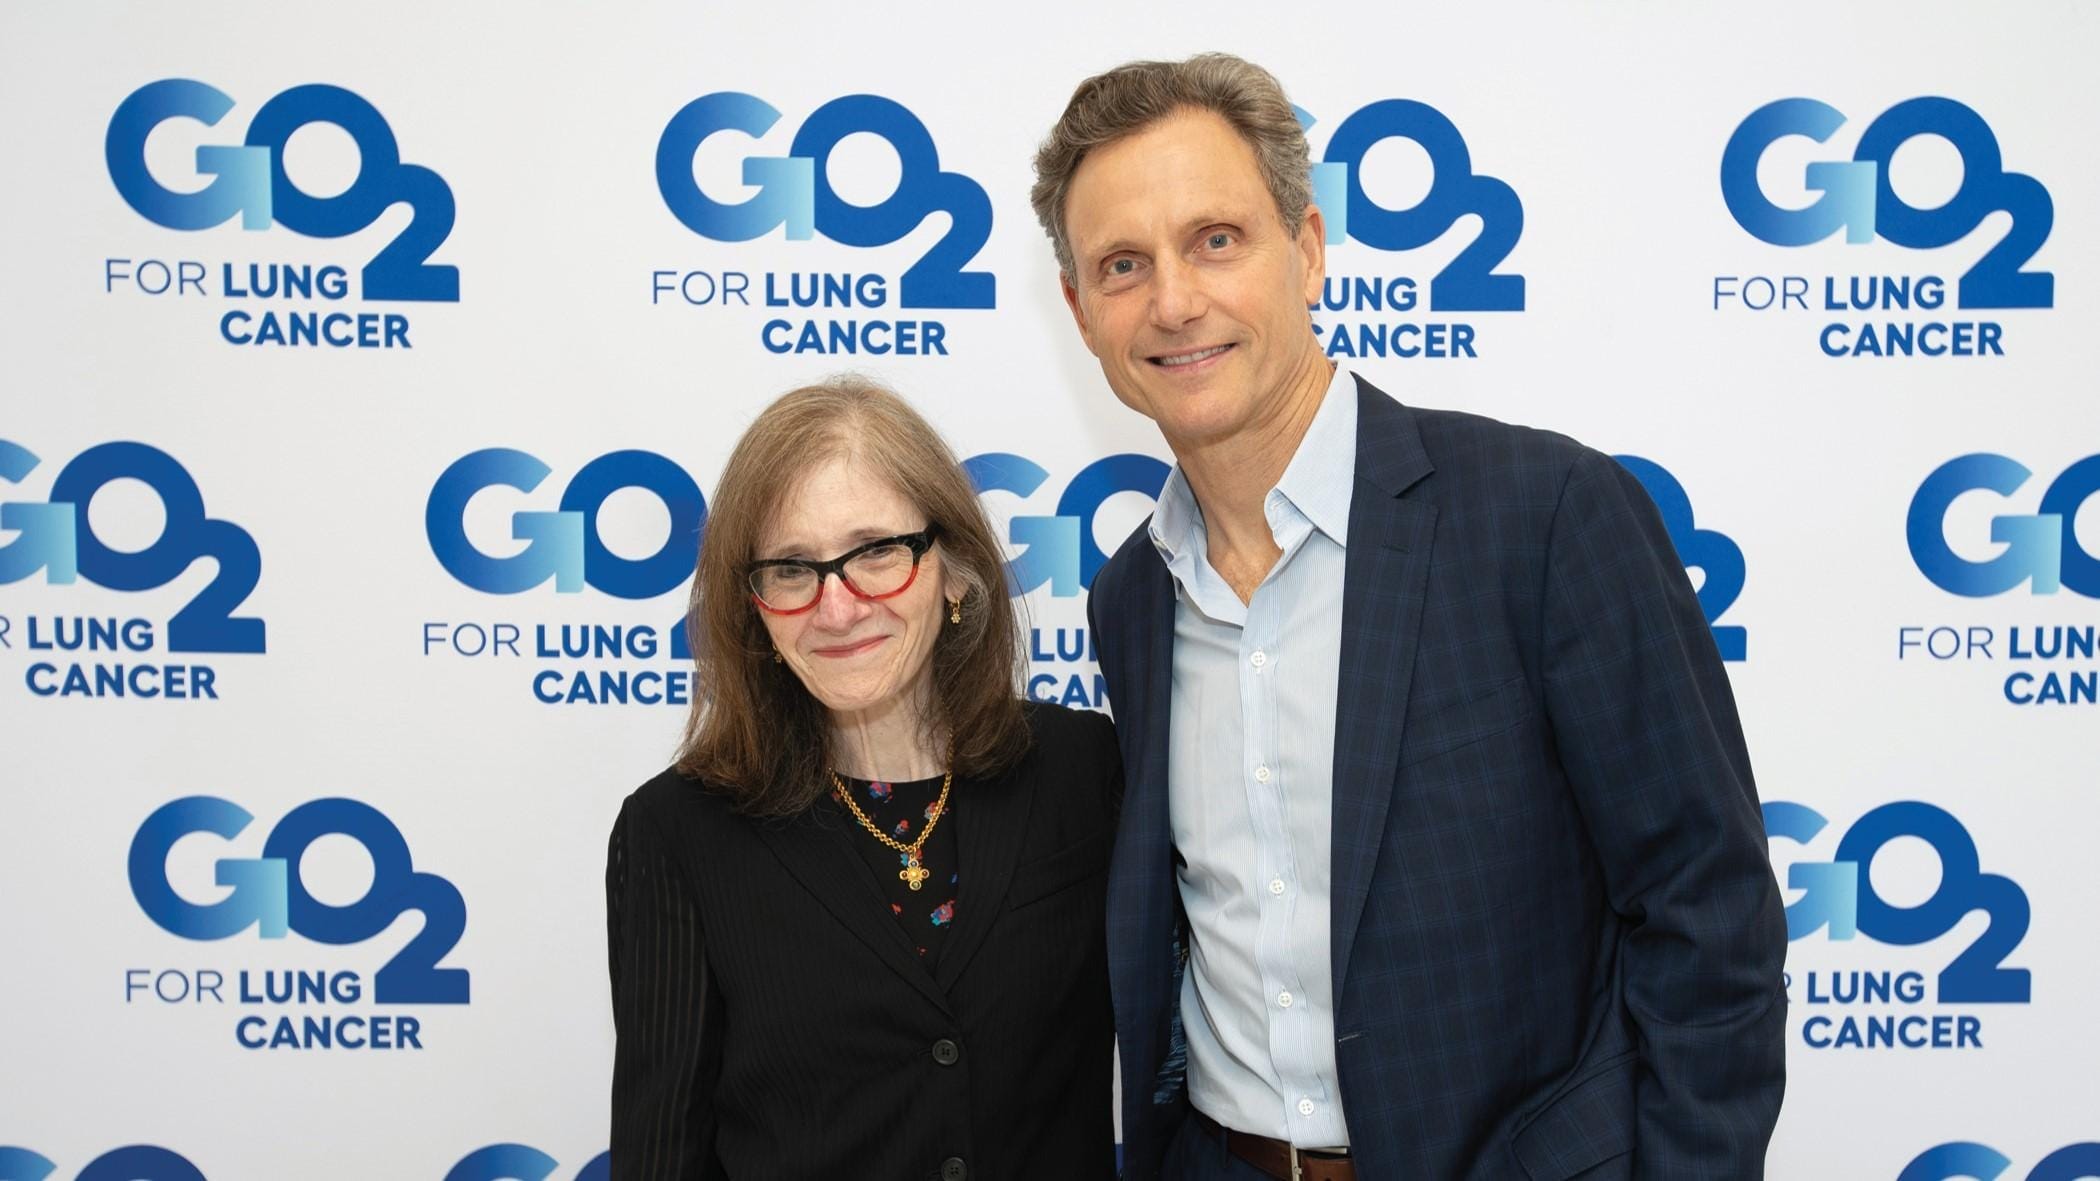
(519, 1162)
(137, 1162)
(58, 539)
(1468, 282)
(269, 895)
(2041, 549)
(1839, 897)
(249, 181)
(1061, 550)
(1969, 1161)
(1857, 198)
(1717, 557)
(796, 191)
(564, 545)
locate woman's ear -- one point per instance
(956, 584)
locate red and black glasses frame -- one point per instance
(918, 543)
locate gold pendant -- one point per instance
(914, 874)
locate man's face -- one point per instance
(1185, 283)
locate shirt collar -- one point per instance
(1322, 475)
(1318, 482)
(1177, 526)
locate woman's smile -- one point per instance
(843, 651)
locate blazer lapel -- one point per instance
(819, 859)
(991, 824)
(1141, 887)
(1384, 579)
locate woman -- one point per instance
(856, 931)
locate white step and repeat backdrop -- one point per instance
(367, 370)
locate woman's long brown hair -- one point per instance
(754, 733)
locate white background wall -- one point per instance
(543, 120)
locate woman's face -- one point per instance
(855, 654)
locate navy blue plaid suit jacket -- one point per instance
(1557, 942)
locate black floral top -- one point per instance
(902, 810)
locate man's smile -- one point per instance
(1190, 358)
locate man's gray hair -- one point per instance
(1133, 96)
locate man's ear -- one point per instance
(1312, 243)
(1071, 293)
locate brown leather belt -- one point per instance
(1276, 1157)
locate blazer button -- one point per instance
(953, 1169)
(947, 1053)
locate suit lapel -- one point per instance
(991, 824)
(1383, 584)
(820, 860)
(1141, 885)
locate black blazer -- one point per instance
(774, 1022)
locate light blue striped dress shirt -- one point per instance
(1250, 788)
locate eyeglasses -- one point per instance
(877, 569)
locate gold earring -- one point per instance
(955, 610)
(777, 658)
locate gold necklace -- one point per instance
(913, 874)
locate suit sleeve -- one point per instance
(667, 1015)
(1647, 730)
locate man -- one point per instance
(1438, 809)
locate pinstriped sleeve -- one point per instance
(666, 1013)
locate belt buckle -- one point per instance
(1297, 1169)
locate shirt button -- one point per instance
(1305, 1107)
(1284, 999)
(946, 1052)
(1259, 658)
(1261, 773)
(953, 1169)
(1275, 885)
